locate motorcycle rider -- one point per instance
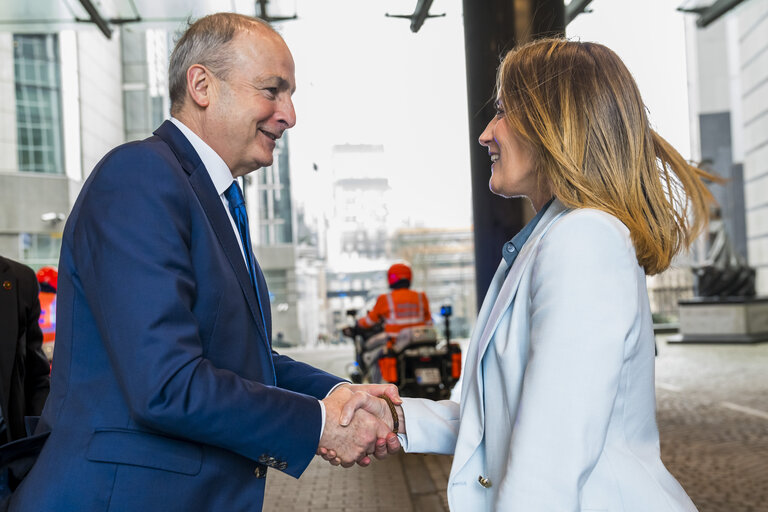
(398, 309)
(401, 307)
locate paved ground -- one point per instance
(713, 419)
(712, 414)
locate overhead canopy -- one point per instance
(708, 10)
(25, 16)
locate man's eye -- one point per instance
(271, 90)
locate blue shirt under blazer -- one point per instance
(163, 395)
(557, 406)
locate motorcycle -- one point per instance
(414, 360)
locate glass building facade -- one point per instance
(38, 103)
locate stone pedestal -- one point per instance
(726, 320)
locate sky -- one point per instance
(363, 78)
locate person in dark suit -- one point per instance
(24, 370)
(166, 393)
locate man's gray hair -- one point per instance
(206, 42)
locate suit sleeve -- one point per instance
(37, 380)
(132, 251)
(303, 378)
(584, 302)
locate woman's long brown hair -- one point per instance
(579, 108)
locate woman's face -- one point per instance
(512, 162)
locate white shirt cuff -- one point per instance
(322, 420)
(322, 409)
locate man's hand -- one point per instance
(354, 441)
(377, 390)
(379, 408)
(365, 399)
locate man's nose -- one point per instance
(286, 113)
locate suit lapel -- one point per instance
(201, 183)
(9, 310)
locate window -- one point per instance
(274, 183)
(38, 103)
(38, 250)
(277, 281)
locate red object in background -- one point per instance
(456, 365)
(48, 316)
(48, 279)
(397, 272)
(388, 367)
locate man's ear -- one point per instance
(199, 85)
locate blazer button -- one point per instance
(263, 458)
(485, 482)
(271, 461)
(260, 472)
(282, 466)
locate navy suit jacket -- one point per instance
(165, 395)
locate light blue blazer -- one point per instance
(557, 406)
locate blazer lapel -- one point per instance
(217, 216)
(496, 302)
(471, 404)
(472, 389)
(512, 282)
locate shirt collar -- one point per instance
(220, 174)
(513, 247)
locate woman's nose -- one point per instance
(487, 136)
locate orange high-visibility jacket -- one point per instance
(399, 309)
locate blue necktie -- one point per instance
(237, 208)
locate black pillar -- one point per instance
(490, 30)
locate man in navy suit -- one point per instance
(166, 394)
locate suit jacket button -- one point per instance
(282, 466)
(485, 482)
(263, 458)
(260, 472)
(271, 461)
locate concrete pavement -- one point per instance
(403, 483)
(712, 403)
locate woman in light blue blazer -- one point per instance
(557, 408)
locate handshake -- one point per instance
(360, 423)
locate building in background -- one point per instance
(443, 267)
(63, 112)
(354, 290)
(728, 77)
(357, 235)
(359, 209)
(293, 267)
